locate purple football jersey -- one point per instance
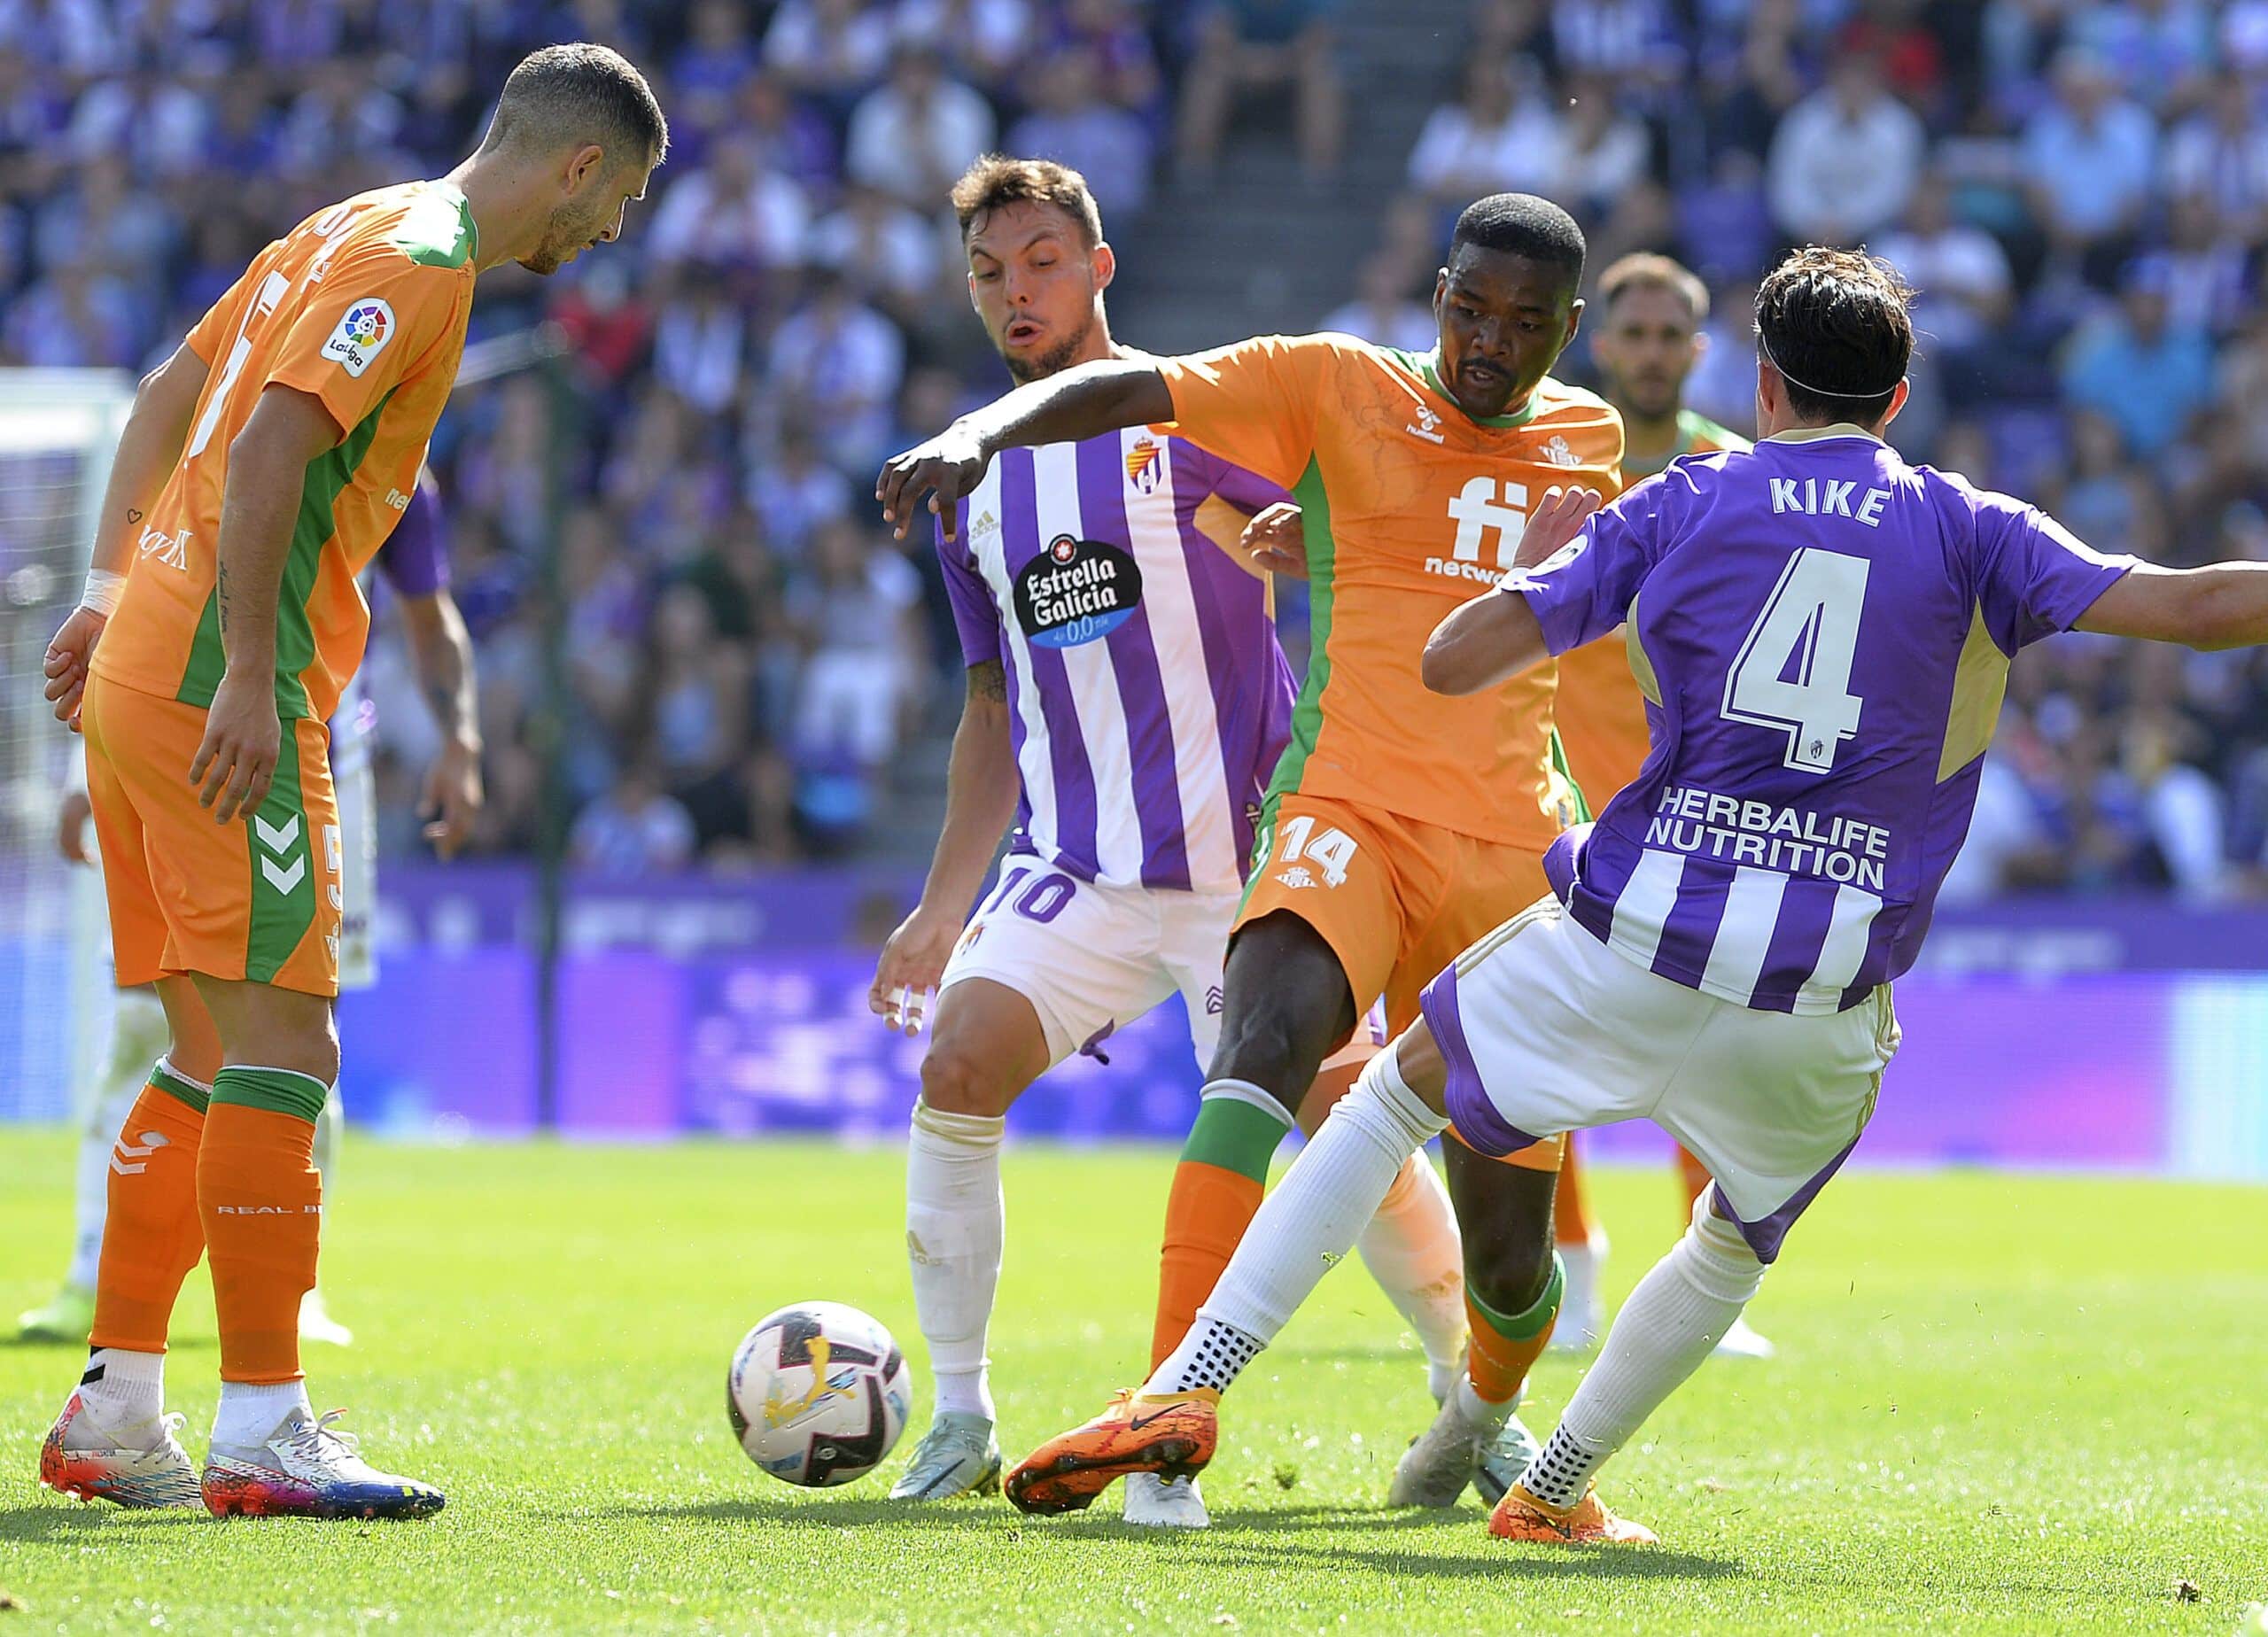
(415, 559)
(1822, 632)
(1148, 698)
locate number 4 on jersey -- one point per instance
(1793, 672)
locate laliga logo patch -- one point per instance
(1077, 592)
(362, 334)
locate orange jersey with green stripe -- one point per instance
(1602, 715)
(363, 306)
(1411, 507)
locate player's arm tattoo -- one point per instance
(988, 679)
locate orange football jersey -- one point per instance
(1602, 715)
(363, 306)
(1411, 507)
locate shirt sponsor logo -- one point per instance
(396, 499)
(157, 546)
(1077, 592)
(363, 331)
(1478, 514)
(1143, 466)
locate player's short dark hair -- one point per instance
(1644, 270)
(1835, 323)
(1521, 224)
(564, 95)
(997, 179)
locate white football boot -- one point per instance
(957, 1455)
(1741, 1342)
(1447, 1456)
(307, 1469)
(316, 1324)
(142, 1467)
(1158, 1503)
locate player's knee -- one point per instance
(1265, 1049)
(956, 1079)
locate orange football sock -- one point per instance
(261, 1200)
(151, 1236)
(1693, 1174)
(1506, 1345)
(1216, 1192)
(1572, 1222)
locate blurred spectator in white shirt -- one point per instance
(734, 212)
(1961, 271)
(883, 251)
(2220, 155)
(1602, 150)
(1496, 137)
(2090, 156)
(832, 49)
(1383, 313)
(1845, 159)
(914, 136)
(1071, 123)
(985, 39)
(841, 360)
(636, 828)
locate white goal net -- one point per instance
(59, 429)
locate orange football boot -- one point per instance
(1172, 1434)
(1519, 1515)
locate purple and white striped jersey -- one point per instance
(1147, 695)
(1823, 633)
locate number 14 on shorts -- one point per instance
(1331, 851)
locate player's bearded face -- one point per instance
(1646, 349)
(1504, 320)
(1035, 283)
(592, 215)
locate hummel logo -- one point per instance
(1429, 420)
(122, 1151)
(1214, 1003)
(282, 839)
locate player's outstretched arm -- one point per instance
(1496, 636)
(2222, 605)
(268, 463)
(1100, 397)
(1490, 640)
(149, 449)
(440, 648)
(979, 800)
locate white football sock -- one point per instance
(1582, 1313)
(1412, 1249)
(138, 1034)
(250, 1411)
(1304, 1229)
(955, 1223)
(1676, 1315)
(127, 1393)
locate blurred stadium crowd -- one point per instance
(2079, 189)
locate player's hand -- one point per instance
(912, 962)
(71, 826)
(69, 652)
(1277, 541)
(946, 468)
(236, 762)
(453, 797)
(1556, 520)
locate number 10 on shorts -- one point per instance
(1332, 851)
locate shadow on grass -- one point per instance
(78, 1348)
(1242, 1533)
(75, 1524)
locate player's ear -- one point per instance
(1574, 321)
(586, 162)
(1700, 345)
(1897, 401)
(1104, 260)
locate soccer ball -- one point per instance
(819, 1393)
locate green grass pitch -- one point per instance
(2002, 1404)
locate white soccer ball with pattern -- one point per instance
(819, 1393)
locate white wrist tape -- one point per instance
(104, 590)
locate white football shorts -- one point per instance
(356, 783)
(1545, 1030)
